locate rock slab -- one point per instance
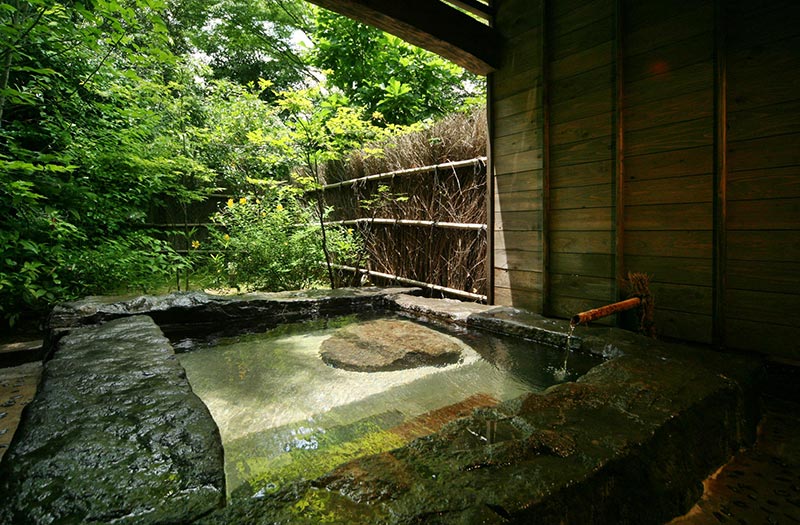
(388, 344)
(115, 435)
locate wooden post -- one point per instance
(720, 236)
(546, 17)
(619, 154)
(489, 191)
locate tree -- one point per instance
(106, 110)
(246, 40)
(384, 74)
(80, 155)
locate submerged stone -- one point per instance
(115, 435)
(387, 344)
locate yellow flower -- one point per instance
(226, 237)
(263, 214)
(230, 203)
(349, 231)
(195, 244)
(279, 207)
(243, 200)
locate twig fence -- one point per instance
(422, 226)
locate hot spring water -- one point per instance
(286, 415)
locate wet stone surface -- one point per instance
(185, 314)
(114, 435)
(388, 344)
(629, 442)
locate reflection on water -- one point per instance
(284, 415)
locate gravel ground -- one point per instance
(17, 388)
(760, 485)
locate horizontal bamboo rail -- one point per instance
(408, 222)
(412, 282)
(178, 224)
(409, 171)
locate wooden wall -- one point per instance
(580, 104)
(762, 296)
(668, 154)
(657, 136)
(517, 147)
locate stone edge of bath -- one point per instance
(115, 434)
(54, 469)
(629, 442)
(648, 404)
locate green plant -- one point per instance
(380, 72)
(106, 113)
(272, 242)
(134, 262)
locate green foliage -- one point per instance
(82, 110)
(106, 112)
(27, 274)
(321, 126)
(242, 137)
(134, 261)
(382, 73)
(246, 40)
(272, 242)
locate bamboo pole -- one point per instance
(408, 222)
(603, 311)
(412, 282)
(408, 171)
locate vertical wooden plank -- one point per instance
(490, 189)
(720, 235)
(546, 17)
(490, 129)
(619, 153)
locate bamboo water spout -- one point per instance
(603, 311)
(638, 285)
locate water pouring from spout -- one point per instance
(638, 284)
(561, 373)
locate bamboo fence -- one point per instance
(423, 225)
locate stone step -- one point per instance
(21, 352)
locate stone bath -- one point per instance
(628, 442)
(299, 400)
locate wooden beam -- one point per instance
(429, 24)
(475, 7)
(490, 190)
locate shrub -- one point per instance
(272, 241)
(132, 262)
